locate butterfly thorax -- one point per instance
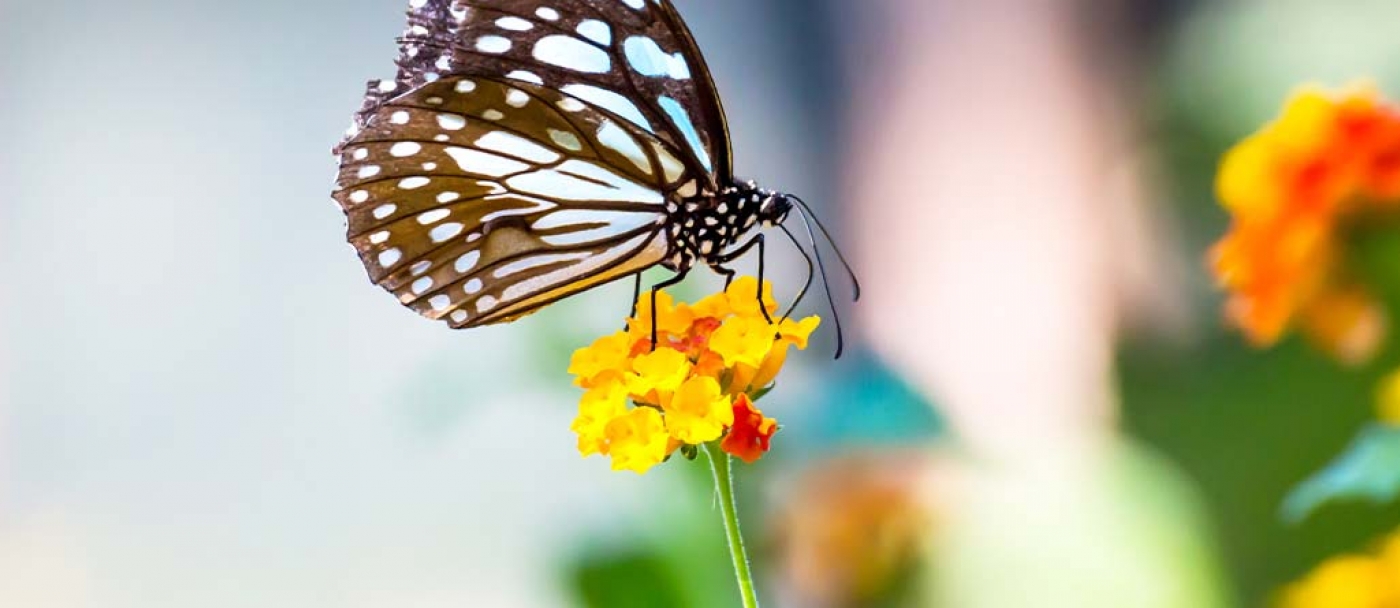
(704, 229)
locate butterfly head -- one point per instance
(774, 209)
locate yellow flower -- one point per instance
(670, 319)
(684, 389)
(790, 333)
(745, 340)
(658, 373)
(599, 406)
(637, 440)
(743, 301)
(606, 354)
(698, 412)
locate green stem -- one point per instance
(724, 484)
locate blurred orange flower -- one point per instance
(1289, 188)
(697, 385)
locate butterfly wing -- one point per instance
(634, 59)
(478, 200)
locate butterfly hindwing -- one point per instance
(478, 200)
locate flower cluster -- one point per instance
(1351, 581)
(697, 384)
(1291, 189)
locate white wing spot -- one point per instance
(384, 211)
(440, 302)
(361, 154)
(446, 232)
(636, 4)
(493, 44)
(647, 59)
(548, 14)
(569, 104)
(566, 139)
(517, 98)
(572, 53)
(465, 86)
(486, 303)
(414, 183)
(389, 258)
(379, 238)
(432, 217)
(467, 262)
(451, 122)
(421, 267)
(526, 76)
(472, 287)
(492, 115)
(514, 24)
(422, 285)
(447, 197)
(359, 196)
(368, 171)
(405, 148)
(399, 118)
(459, 316)
(430, 166)
(433, 101)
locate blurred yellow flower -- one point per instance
(1388, 399)
(710, 360)
(1351, 581)
(1289, 189)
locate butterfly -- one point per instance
(529, 150)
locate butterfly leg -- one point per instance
(756, 241)
(727, 273)
(658, 287)
(636, 297)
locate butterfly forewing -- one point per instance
(634, 59)
(478, 200)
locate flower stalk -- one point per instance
(724, 486)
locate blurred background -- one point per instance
(203, 401)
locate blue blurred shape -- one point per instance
(1369, 469)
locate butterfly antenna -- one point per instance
(855, 282)
(821, 267)
(811, 271)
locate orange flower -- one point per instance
(1289, 188)
(749, 439)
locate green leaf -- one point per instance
(1369, 469)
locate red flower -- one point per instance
(750, 436)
